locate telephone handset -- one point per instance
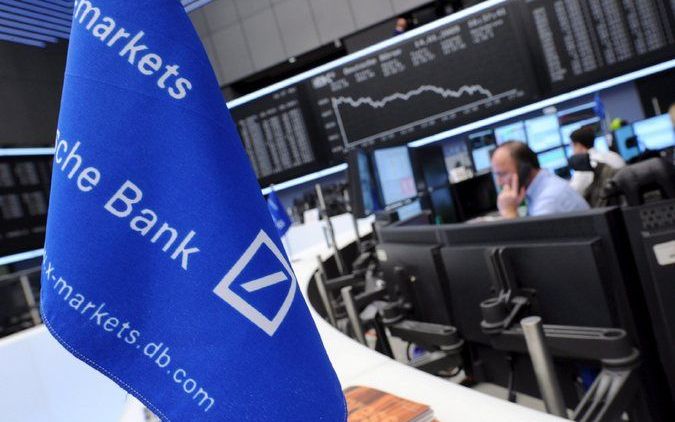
(524, 171)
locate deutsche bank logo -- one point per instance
(225, 292)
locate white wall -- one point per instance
(242, 37)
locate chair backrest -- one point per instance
(595, 193)
(636, 180)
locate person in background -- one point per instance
(516, 170)
(402, 25)
(583, 142)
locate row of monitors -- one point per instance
(552, 141)
(653, 134)
(579, 275)
(386, 179)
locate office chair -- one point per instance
(636, 181)
(595, 193)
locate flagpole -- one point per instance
(331, 232)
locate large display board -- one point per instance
(24, 195)
(278, 136)
(461, 69)
(451, 75)
(583, 41)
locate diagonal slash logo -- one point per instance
(224, 291)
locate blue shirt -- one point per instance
(550, 194)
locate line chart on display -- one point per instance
(451, 104)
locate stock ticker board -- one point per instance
(454, 74)
(278, 137)
(583, 41)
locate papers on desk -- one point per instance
(370, 405)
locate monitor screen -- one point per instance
(457, 160)
(395, 174)
(366, 184)
(553, 160)
(481, 157)
(430, 164)
(482, 144)
(409, 210)
(543, 133)
(566, 131)
(626, 142)
(656, 133)
(475, 197)
(511, 132)
(363, 196)
(601, 144)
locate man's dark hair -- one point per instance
(521, 153)
(584, 136)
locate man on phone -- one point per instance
(516, 170)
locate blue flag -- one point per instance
(598, 106)
(163, 268)
(281, 219)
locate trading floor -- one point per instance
(337, 210)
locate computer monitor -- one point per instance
(394, 174)
(410, 266)
(566, 130)
(601, 144)
(429, 165)
(626, 142)
(409, 210)
(475, 197)
(511, 132)
(656, 133)
(553, 160)
(362, 188)
(481, 144)
(443, 205)
(543, 133)
(651, 228)
(456, 154)
(578, 269)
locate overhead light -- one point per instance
(11, 259)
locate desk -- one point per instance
(356, 364)
(41, 382)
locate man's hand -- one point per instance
(510, 198)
